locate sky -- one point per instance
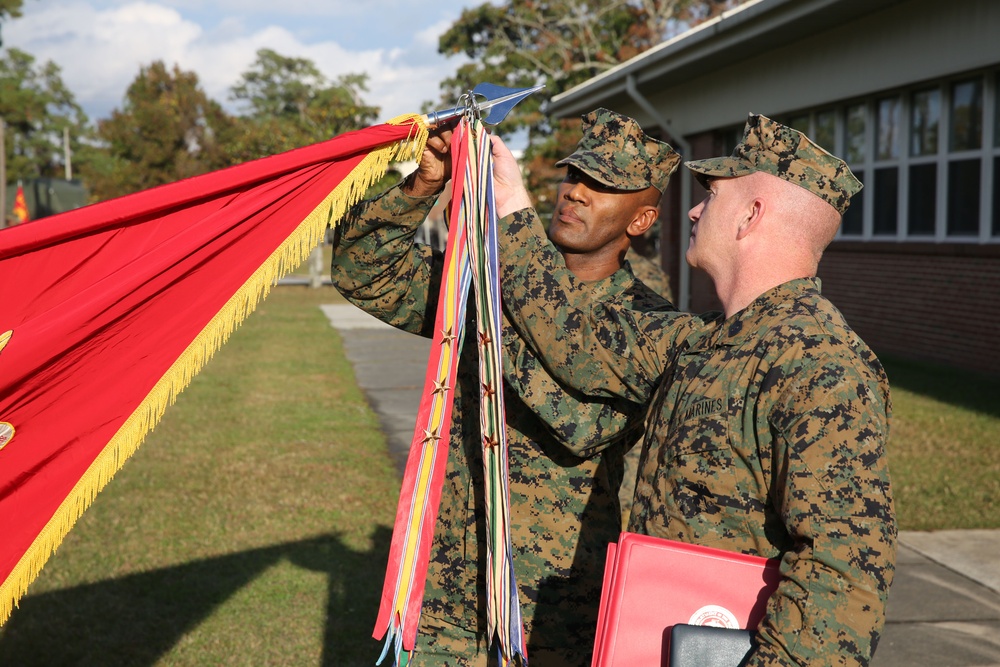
(100, 45)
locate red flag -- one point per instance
(20, 206)
(108, 311)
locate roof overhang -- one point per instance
(753, 28)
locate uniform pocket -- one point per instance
(696, 467)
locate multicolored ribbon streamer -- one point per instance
(470, 257)
(420, 495)
(503, 608)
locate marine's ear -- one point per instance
(643, 220)
(753, 214)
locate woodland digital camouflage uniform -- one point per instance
(766, 431)
(564, 507)
(615, 151)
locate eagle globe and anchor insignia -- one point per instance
(715, 616)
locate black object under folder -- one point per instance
(707, 646)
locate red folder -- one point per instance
(651, 583)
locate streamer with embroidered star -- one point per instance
(470, 258)
(503, 607)
(420, 495)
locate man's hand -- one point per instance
(435, 165)
(508, 187)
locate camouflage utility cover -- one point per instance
(565, 454)
(779, 150)
(616, 152)
(766, 435)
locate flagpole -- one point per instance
(66, 153)
(3, 176)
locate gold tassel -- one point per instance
(289, 255)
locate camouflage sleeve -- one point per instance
(598, 347)
(379, 268)
(833, 494)
(584, 425)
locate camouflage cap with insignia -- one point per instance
(779, 150)
(615, 152)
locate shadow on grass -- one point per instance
(964, 389)
(135, 620)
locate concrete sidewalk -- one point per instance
(944, 608)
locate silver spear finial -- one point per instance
(497, 100)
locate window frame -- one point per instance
(988, 155)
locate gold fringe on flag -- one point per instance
(288, 256)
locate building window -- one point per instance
(730, 139)
(966, 115)
(928, 156)
(855, 140)
(929, 159)
(857, 120)
(888, 128)
(886, 201)
(995, 227)
(922, 199)
(996, 197)
(925, 117)
(800, 123)
(996, 112)
(825, 130)
(853, 223)
(925, 124)
(885, 218)
(963, 197)
(965, 134)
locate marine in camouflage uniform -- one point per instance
(599, 151)
(565, 449)
(767, 429)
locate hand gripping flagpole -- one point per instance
(470, 259)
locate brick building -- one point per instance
(908, 92)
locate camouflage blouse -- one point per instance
(766, 435)
(565, 449)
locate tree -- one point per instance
(560, 43)
(36, 107)
(9, 9)
(168, 129)
(291, 104)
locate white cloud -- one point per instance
(101, 45)
(100, 52)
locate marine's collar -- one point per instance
(760, 313)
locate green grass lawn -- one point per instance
(253, 525)
(944, 447)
